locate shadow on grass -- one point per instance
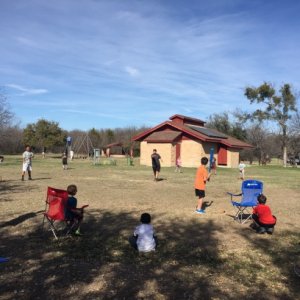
(41, 178)
(12, 186)
(283, 252)
(20, 219)
(188, 264)
(206, 204)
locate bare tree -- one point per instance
(295, 124)
(294, 137)
(6, 116)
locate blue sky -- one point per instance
(115, 63)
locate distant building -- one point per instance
(114, 149)
(188, 138)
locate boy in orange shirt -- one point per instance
(202, 176)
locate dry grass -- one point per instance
(199, 256)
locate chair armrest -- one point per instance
(234, 194)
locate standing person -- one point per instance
(178, 165)
(144, 239)
(202, 176)
(155, 157)
(242, 170)
(214, 166)
(71, 154)
(27, 167)
(65, 161)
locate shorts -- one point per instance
(26, 167)
(156, 168)
(200, 193)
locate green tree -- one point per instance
(222, 123)
(95, 137)
(44, 134)
(277, 108)
(110, 136)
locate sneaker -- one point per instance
(261, 230)
(270, 230)
(199, 211)
(22, 178)
(253, 226)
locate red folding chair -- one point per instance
(56, 201)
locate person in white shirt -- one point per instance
(71, 154)
(144, 239)
(242, 170)
(27, 167)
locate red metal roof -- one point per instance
(185, 118)
(228, 141)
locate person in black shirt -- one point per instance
(155, 157)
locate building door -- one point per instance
(222, 155)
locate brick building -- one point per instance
(188, 138)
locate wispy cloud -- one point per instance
(133, 72)
(127, 56)
(26, 91)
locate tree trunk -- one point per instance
(284, 140)
(284, 155)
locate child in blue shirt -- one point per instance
(72, 213)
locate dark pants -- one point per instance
(255, 218)
(133, 239)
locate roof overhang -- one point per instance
(163, 136)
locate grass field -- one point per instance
(207, 256)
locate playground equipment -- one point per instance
(68, 145)
(96, 156)
(83, 145)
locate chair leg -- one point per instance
(239, 215)
(43, 222)
(249, 213)
(69, 229)
(52, 227)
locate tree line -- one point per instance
(279, 108)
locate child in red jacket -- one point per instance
(262, 216)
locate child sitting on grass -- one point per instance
(144, 239)
(262, 216)
(73, 213)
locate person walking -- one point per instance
(27, 166)
(155, 157)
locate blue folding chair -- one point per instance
(250, 190)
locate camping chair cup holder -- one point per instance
(251, 189)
